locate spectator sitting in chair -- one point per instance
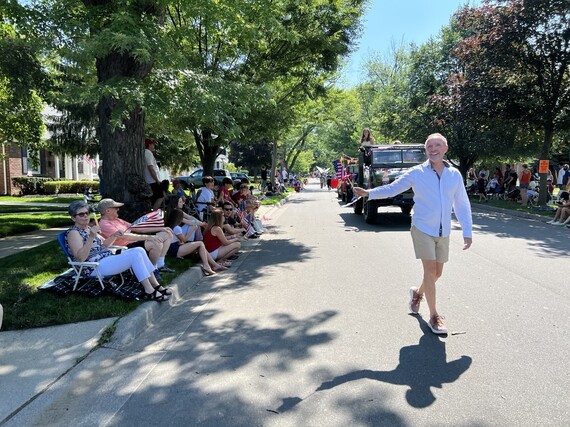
(178, 188)
(85, 244)
(156, 245)
(206, 197)
(493, 186)
(562, 215)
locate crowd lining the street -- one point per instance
(211, 224)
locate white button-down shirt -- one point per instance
(435, 197)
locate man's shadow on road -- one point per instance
(421, 367)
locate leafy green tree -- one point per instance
(250, 155)
(23, 82)
(386, 91)
(187, 69)
(101, 53)
(253, 63)
(518, 52)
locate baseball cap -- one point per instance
(108, 203)
(149, 141)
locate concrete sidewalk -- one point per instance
(33, 360)
(13, 244)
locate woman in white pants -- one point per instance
(85, 244)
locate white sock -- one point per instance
(160, 262)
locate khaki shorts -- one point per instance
(430, 248)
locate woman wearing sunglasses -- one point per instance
(85, 244)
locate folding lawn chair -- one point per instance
(190, 206)
(79, 266)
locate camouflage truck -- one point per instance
(381, 165)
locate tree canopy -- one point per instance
(199, 76)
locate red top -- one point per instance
(211, 242)
(525, 176)
(226, 192)
(238, 197)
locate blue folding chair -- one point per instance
(79, 266)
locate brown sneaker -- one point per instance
(437, 326)
(415, 300)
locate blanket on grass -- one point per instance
(131, 289)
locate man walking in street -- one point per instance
(438, 189)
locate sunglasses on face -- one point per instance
(82, 214)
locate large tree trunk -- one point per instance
(123, 161)
(207, 149)
(122, 147)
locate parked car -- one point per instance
(195, 178)
(238, 176)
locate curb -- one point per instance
(519, 214)
(132, 325)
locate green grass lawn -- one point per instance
(504, 204)
(12, 224)
(27, 307)
(27, 208)
(273, 200)
(42, 199)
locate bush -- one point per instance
(31, 184)
(57, 187)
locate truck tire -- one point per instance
(369, 212)
(406, 209)
(343, 197)
(358, 207)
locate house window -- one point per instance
(24, 161)
(30, 162)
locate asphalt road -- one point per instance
(312, 330)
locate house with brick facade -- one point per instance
(18, 161)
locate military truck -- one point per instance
(381, 165)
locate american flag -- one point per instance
(249, 230)
(338, 169)
(89, 160)
(150, 220)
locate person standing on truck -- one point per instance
(438, 189)
(366, 140)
